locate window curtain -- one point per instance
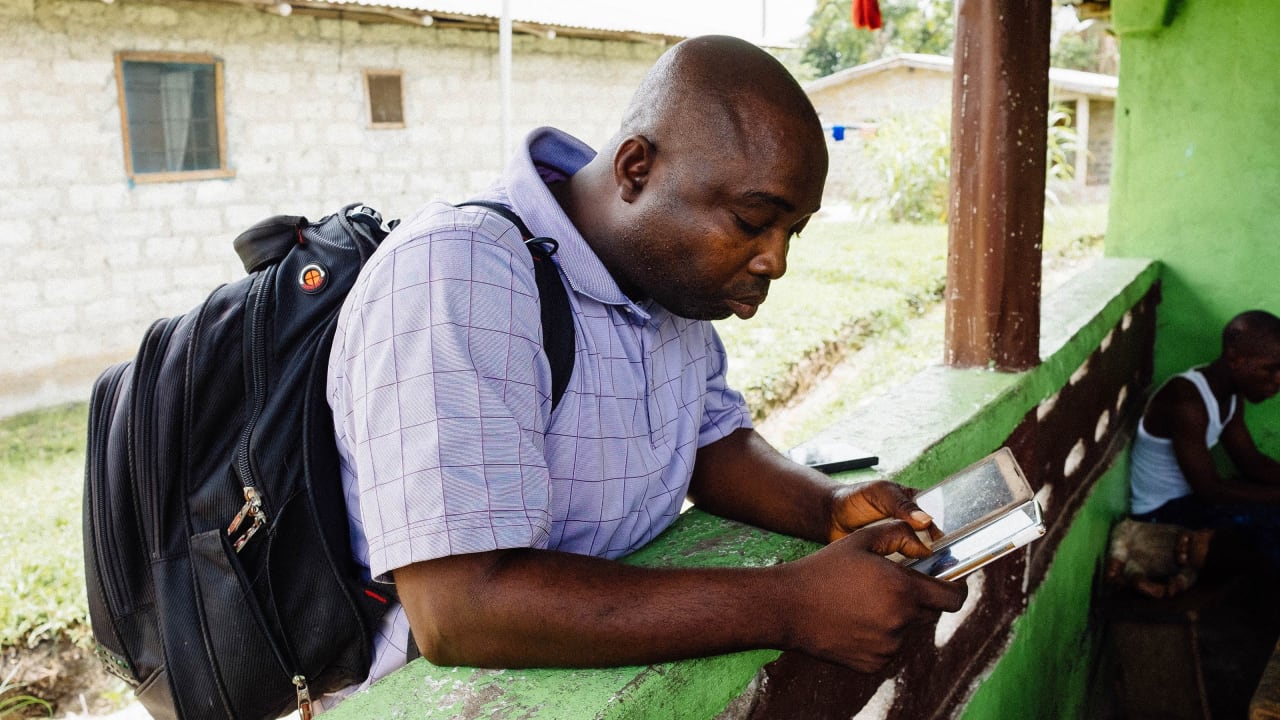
(177, 87)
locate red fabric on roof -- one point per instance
(866, 14)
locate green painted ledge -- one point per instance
(939, 422)
(946, 418)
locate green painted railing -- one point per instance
(939, 422)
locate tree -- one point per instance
(912, 155)
(1082, 45)
(910, 26)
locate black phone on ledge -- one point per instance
(832, 457)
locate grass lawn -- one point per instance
(848, 285)
(41, 566)
(872, 289)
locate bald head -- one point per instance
(1252, 332)
(719, 162)
(718, 91)
(1251, 354)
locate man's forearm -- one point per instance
(1263, 469)
(744, 478)
(524, 608)
(1235, 492)
(540, 608)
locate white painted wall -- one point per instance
(91, 259)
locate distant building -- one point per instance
(141, 136)
(853, 102)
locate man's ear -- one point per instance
(632, 162)
(1233, 356)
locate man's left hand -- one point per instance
(854, 506)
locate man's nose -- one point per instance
(771, 258)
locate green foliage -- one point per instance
(15, 704)
(913, 155)
(1076, 51)
(38, 438)
(905, 333)
(910, 26)
(1061, 144)
(1074, 232)
(41, 564)
(845, 282)
(928, 26)
(1081, 45)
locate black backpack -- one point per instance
(217, 557)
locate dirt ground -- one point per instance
(70, 678)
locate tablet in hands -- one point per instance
(981, 513)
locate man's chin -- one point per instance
(707, 315)
(700, 312)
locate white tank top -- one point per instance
(1154, 475)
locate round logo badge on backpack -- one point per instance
(313, 278)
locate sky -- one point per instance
(782, 21)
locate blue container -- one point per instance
(837, 132)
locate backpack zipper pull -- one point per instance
(304, 697)
(252, 506)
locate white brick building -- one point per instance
(916, 86)
(95, 252)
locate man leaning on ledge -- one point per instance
(498, 520)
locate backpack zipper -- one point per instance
(141, 440)
(304, 697)
(255, 501)
(252, 507)
(109, 570)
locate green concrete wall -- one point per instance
(1196, 180)
(1055, 643)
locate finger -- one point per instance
(897, 502)
(886, 538)
(881, 499)
(943, 595)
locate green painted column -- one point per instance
(1196, 182)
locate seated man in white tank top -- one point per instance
(1173, 476)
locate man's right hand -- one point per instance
(854, 607)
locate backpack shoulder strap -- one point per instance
(557, 315)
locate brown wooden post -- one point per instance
(1000, 98)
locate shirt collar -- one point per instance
(547, 149)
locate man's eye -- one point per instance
(747, 227)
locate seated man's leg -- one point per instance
(1259, 524)
(1185, 511)
(1224, 552)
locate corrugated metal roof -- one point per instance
(1076, 81)
(662, 21)
(592, 16)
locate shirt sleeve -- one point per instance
(724, 409)
(448, 395)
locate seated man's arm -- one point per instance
(1251, 462)
(1187, 423)
(527, 607)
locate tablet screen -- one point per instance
(977, 493)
